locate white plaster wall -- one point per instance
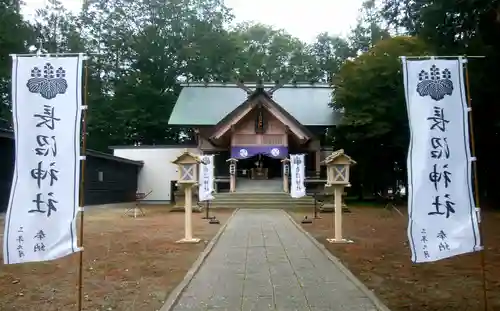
(158, 170)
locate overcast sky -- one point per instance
(301, 18)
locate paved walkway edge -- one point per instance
(374, 299)
(174, 296)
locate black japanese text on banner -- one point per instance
(442, 218)
(298, 168)
(43, 205)
(206, 178)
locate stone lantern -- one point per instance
(188, 178)
(337, 169)
(286, 174)
(232, 174)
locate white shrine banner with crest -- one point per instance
(43, 205)
(442, 215)
(297, 175)
(206, 178)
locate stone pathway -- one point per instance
(263, 262)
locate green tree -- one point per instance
(268, 54)
(57, 30)
(368, 30)
(144, 46)
(369, 89)
(470, 27)
(15, 35)
(331, 52)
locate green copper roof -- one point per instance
(200, 104)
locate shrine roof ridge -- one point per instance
(254, 84)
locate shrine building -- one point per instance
(259, 125)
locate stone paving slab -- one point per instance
(262, 261)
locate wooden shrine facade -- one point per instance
(257, 126)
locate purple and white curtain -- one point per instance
(245, 152)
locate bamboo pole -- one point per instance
(476, 185)
(82, 192)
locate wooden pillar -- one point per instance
(188, 212)
(338, 164)
(188, 167)
(338, 212)
(232, 183)
(338, 191)
(232, 174)
(317, 163)
(286, 173)
(286, 186)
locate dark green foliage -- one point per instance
(146, 46)
(370, 90)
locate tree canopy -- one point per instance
(370, 90)
(143, 48)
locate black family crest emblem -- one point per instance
(435, 84)
(205, 160)
(48, 83)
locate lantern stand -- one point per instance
(315, 196)
(306, 220)
(188, 174)
(207, 213)
(286, 174)
(338, 165)
(214, 221)
(211, 219)
(232, 174)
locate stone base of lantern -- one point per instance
(341, 241)
(188, 241)
(179, 207)
(327, 208)
(330, 208)
(180, 200)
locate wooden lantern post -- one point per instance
(286, 173)
(188, 177)
(232, 174)
(337, 169)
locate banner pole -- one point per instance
(82, 182)
(476, 185)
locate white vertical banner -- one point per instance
(297, 170)
(442, 215)
(43, 205)
(206, 178)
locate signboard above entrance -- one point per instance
(260, 126)
(245, 152)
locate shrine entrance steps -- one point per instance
(255, 200)
(256, 186)
(267, 194)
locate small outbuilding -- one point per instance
(108, 179)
